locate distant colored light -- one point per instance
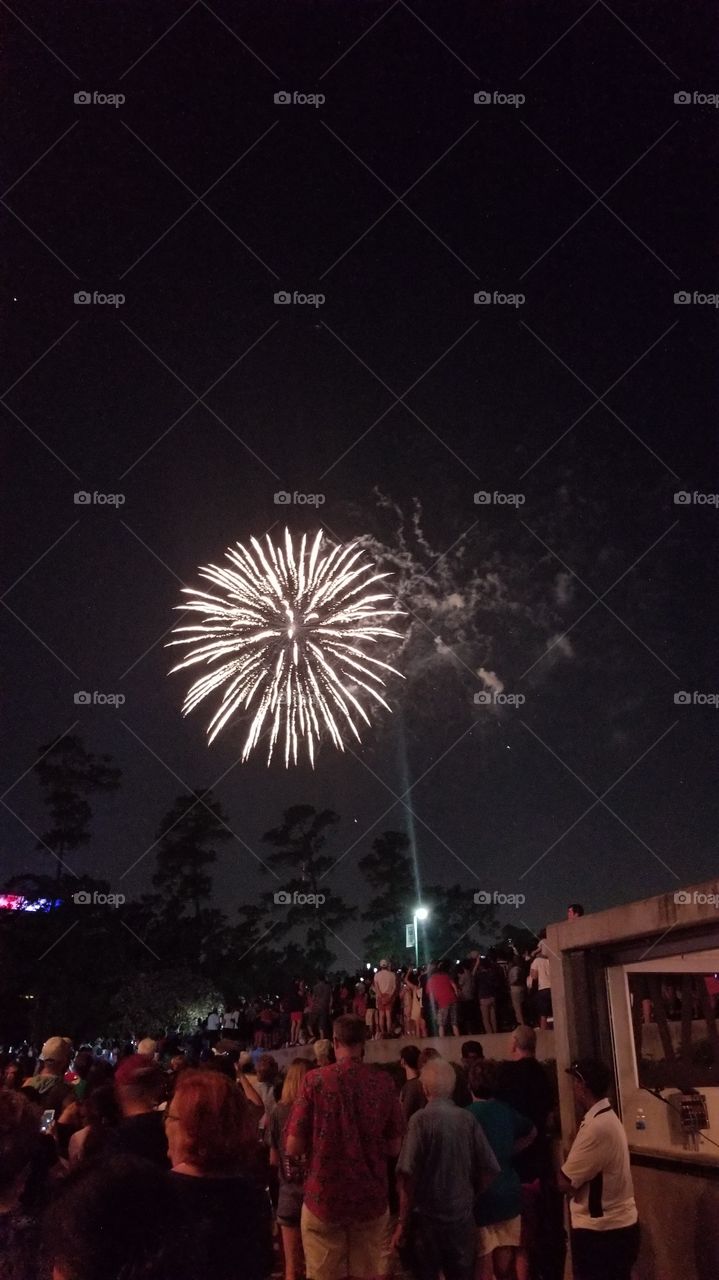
(18, 902)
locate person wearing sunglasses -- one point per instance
(596, 1175)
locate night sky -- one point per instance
(398, 199)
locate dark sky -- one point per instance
(397, 198)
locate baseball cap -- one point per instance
(591, 1072)
(56, 1049)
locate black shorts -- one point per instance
(544, 1003)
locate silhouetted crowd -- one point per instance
(481, 994)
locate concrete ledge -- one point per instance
(657, 915)
(494, 1046)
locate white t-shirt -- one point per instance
(539, 969)
(385, 982)
(598, 1168)
(213, 1022)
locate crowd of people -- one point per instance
(170, 1164)
(482, 993)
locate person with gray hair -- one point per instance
(444, 1163)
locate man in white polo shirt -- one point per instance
(597, 1177)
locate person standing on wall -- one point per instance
(540, 976)
(385, 986)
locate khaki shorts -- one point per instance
(499, 1235)
(354, 1251)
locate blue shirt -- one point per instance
(445, 1152)
(501, 1126)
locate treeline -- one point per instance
(93, 963)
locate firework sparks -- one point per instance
(290, 631)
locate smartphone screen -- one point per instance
(46, 1122)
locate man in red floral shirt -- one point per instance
(347, 1120)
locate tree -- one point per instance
(519, 937)
(388, 868)
(186, 840)
(68, 774)
(456, 924)
(299, 842)
(164, 1000)
(60, 968)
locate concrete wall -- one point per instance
(678, 1204)
(495, 1046)
(679, 1215)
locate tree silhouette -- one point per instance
(456, 923)
(67, 774)
(186, 840)
(388, 869)
(519, 937)
(299, 842)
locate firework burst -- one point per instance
(290, 631)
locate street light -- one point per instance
(420, 913)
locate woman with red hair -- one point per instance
(212, 1140)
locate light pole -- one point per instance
(420, 913)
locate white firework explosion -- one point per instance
(290, 632)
